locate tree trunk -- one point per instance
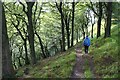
(67, 20)
(25, 42)
(14, 65)
(7, 68)
(83, 32)
(68, 38)
(77, 35)
(55, 48)
(109, 16)
(60, 41)
(83, 35)
(27, 62)
(72, 37)
(19, 62)
(31, 32)
(86, 30)
(41, 45)
(47, 52)
(62, 25)
(92, 22)
(92, 31)
(105, 25)
(99, 20)
(14, 61)
(63, 33)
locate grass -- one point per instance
(59, 66)
(105, 52)
(87, 73)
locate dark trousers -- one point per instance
(86, 49)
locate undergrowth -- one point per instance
(105, 53)
(59, 66)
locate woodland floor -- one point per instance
(79, 67)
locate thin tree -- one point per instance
(108, 19)
(92, 22)
(73, 10)
(67, 22)
(99, 20)
(59, 7)
(24, 39)
(30, 29)
(98, 13)
(41, 45)
(35, 24)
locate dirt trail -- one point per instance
(78, 69)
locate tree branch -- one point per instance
(23, 6)
(92, 8)
(35, 12)
(16, 26)
(38, 14)
(57, 6)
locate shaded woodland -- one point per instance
(32, 31)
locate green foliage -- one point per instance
(48, 26)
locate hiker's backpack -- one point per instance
(87, 42)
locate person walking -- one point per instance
(86, 43)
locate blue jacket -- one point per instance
(86, 41)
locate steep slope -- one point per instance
(105, 53)
(57, 66)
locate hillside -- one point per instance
(104, 52)
(57, 66)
